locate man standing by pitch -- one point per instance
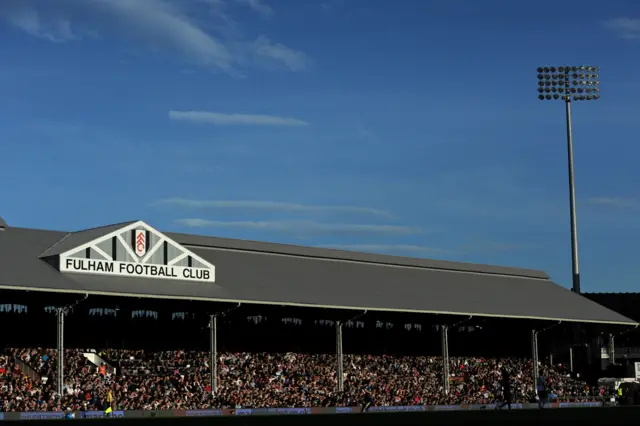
(542, 391)
(506, 389)
(367, 397)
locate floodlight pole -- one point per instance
(568, 83)
(575, 265)
(444, 336)
(339, 357)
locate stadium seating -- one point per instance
(180, 380)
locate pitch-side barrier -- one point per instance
(133, 414)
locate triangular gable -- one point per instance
(137, 250)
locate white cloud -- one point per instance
(262, 47)
(169, 25)
(617, 202)
(158, 22)
(271, 206)
(331, 4)
(302, 227)
(491, 247)
(234, 119)
(54, 28)
(257, 6)
(386, 248)
(628, 28)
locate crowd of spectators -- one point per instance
(16, 390)
(141, 380)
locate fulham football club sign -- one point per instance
(137, 250)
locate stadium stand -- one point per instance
(178, 380)
(133, 310)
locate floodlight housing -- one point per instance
(575, 80)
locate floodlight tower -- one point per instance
(567, 83)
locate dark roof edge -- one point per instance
(630, 322)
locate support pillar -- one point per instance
(534, 355)
(444, 335)
(213, 352)
(60, 314)
(339, 357)
(612, 349)
(551, 359)
(571, 358)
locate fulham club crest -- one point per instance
(140, 242)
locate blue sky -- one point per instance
(404, 127)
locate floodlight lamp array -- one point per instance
(578, 83)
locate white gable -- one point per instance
(137, 250)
